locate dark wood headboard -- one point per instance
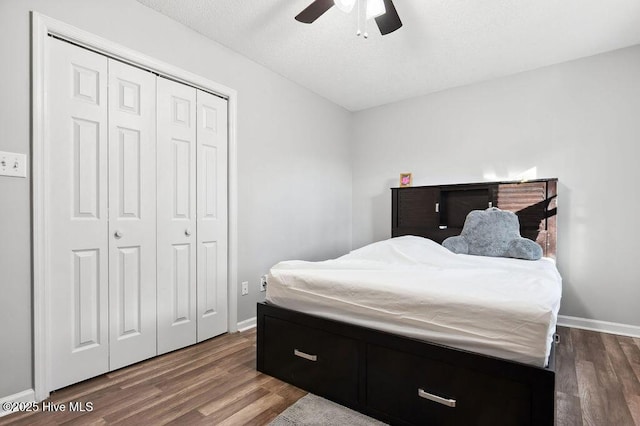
(437, 212)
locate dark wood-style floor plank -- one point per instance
(624, 361)
(591, 400)
(634, 407)
(631, 349)
(566, 379)
(569, 412)
(611, 368)
(215, 382)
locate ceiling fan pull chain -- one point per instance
(366, 34)
(358, 19)
(364, 18)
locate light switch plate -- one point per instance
(13, 164)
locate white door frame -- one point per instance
(42, 27)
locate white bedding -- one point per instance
(414, 287)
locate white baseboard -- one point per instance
(601, 326)
(247, 324)
(24, 396)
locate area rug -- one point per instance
(311, 410)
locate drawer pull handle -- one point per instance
(436, 398)
(305, 356)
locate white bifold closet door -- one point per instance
(177, 320)
(212, 215)
(137, 213)
(102, 214)
(192, 215)
(77, 197)
(132, 214)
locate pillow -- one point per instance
(493, 232)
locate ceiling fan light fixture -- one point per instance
(345, 5)
(375, 8)
(384, 12)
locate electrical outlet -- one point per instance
(263, 283)
(245, 288)
(13, 164)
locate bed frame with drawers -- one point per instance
(406, 381)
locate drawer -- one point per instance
(422, 391)
(317, 361)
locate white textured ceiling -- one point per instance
(443, 43)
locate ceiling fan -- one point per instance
(383, 11)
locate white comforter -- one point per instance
(415, 287)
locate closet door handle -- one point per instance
(187, 232)
(117, 234)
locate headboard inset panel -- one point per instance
(437, 212)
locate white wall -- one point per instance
(578, 121)
(294, 196)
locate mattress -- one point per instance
(414, 287)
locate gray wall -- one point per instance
(294, 196)
(578, 121)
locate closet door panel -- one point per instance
(176, 171)
(132, 214)
(77, 211)
(212, 215)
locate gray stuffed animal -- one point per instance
(493, 232)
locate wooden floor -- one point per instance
(215, 382)
(597, 379)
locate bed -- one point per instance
(476, 348)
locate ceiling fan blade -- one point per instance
(390, 21)
(314, 11)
